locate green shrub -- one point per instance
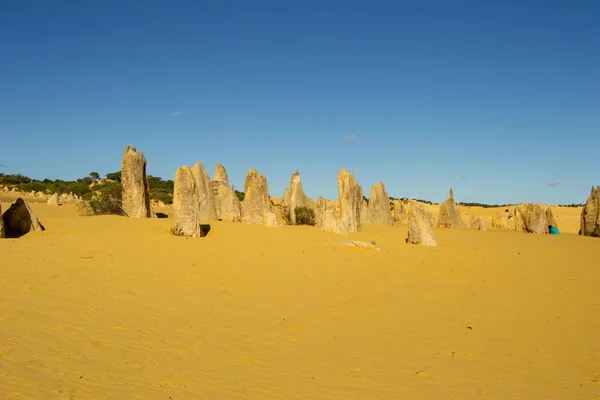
(240, 195)
(159, 185)
(114, 176)
(287, 215)
(77, 188)
(13, 179)
(33, 186)
(105, 201)
(101, 205)
(305, 216)
(166, 198)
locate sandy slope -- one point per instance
(115, 308)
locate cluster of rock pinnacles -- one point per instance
(196, 198)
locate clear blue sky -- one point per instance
(498, 99)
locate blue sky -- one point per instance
(498, 99)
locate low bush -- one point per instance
(305, 216)
(166, 198)
(106, 201)
(240, 195)
(287, 215)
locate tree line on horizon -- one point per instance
(160, 189)
(88, 186)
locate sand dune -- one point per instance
(116, 308)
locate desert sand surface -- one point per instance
(107, 307)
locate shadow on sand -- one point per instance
(204, 229)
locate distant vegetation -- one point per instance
(87, 187)
(80, 187)
(483, 205)
(106, 200)
(240, 195)
(407, 199)
(160, 189)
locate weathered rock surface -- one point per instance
(450, 215)
(227, 204)
(256, 207)
(2, 233)
(157, 203)
(364, 210)
(66, 198)
(320, 208)
(220, 174)
(332, 223)
(419, 226)
(378, 210)
(479, 223)
(294, 197)
(590, 214)
(53, 200)
(135, 193)
(550, 218)
(206, 200)
(186, 205)
(499, 221)
(519, 220)
(359, 244)
(351, 197)
(399, 212)
(19, 220)
(531, 218)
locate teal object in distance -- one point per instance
(554, 230)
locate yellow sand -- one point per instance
(116, 308)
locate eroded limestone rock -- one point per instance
(53, 200)
(294, 197)
(378, 209)
(227, 204)
(186, 205)
(399, 212)
(256, 207)
(479, 223)
(2, 233)
(19, 220)
(206, 200)
(332, 223)
(450, 215)
(590, 215)
(499, 221)
(531, 218)
(135, 193)
(351, 197)
(419, 226)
